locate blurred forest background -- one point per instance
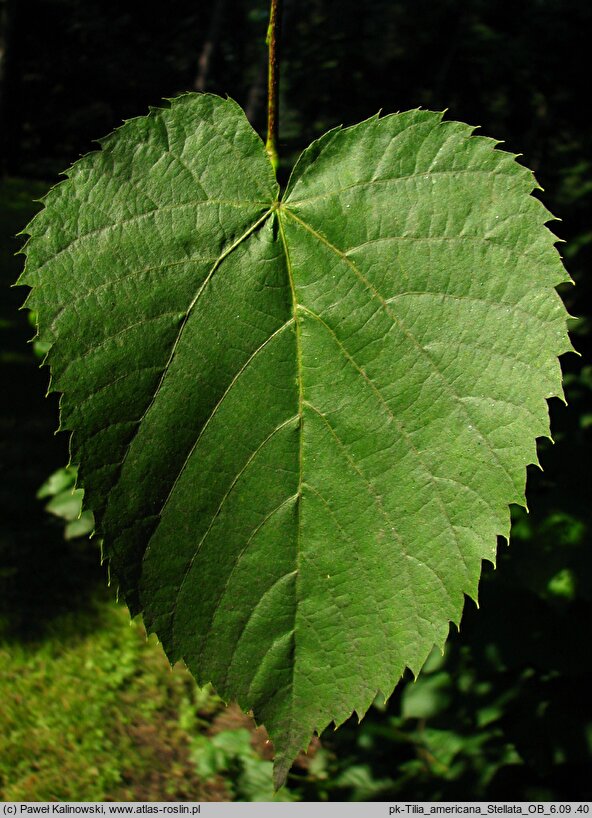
(89, 709)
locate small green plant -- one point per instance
(230, 754)
(299, 417)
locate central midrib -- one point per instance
(296, 319)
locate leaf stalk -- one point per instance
(273, 81)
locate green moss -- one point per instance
(92, 713)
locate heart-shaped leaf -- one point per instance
(299, 420)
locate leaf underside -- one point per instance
(299, 420)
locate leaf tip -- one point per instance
(280, 774)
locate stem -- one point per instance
(273, 81)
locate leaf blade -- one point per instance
(300, 422)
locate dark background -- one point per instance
(507, 713)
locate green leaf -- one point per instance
(427, 697)
(66, 502)
(58, 481)
(299, 420)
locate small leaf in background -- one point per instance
(66, 502)
(57, 482)
(427, 697)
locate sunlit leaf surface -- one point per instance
(299, 420)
